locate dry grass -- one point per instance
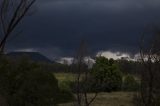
(103, 99)
(65, 76)
(111, 99)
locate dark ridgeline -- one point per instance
(34, 56)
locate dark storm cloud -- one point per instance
(58, 25)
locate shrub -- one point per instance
(25, 84)
(66, 94)
(130, 84)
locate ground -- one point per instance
(103, 99)
(111, 99)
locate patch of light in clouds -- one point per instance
(69, 60)
(114, 55)
(26, 50)
(65, 60)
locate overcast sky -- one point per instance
(57, 26)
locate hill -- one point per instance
(35, 56)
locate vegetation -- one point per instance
(130, 84)
(28, 83)
(110, 99)
(107, 74)
(11, 15)
(25, 83)
(129, 67)
(149, 92)
(65, 76)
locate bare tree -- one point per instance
(149, 94)
(12, 12)
(83, 77)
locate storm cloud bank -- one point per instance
(58, 26)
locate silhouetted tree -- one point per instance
(12, 12)
(149, 94)
(83, 77)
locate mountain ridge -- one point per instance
(35, 56)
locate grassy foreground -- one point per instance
(111, 99)
(103, 99)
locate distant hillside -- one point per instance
(35, 56)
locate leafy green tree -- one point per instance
(107, 74)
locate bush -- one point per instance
(90, 86)
(106, 74)
(25, 84)
(66, 94)
(130, 84)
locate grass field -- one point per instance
(103, 99)
(71, 76)
(65, 76)
(111, 99)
